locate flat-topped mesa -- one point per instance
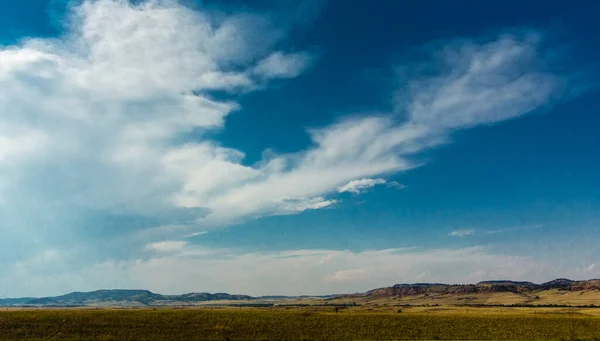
(506, 282)
(410, 290)
(521, 287)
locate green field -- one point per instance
(294, 324)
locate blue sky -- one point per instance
(296, 147)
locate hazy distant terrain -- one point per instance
(121, 298)
(556, 292)
(500, 310)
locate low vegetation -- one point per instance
(299, 324)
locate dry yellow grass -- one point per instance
(358, 323)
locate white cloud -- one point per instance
(396, 185)
(94, 120)
(196, 234)
(358, 186)
(351, 275)
(486, 83)
(167, 246)
(518, 228)
(108, 99)
(299, 205)
(282, 65)
(462, 233)
(590, 269)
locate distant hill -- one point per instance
(505, 282)
(558, 291)
(558, 283)
(497, 286)
(14, 301)
(121, 297)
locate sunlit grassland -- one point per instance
(307, 324)
(545, 297)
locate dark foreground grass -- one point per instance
(268, 325)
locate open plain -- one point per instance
(301, 323)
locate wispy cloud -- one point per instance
(589, 269)
(167, 246)
(513, 229)
(280, 65)
(94, 120)
(363, 185)
(396, 185)
(462, 233)
(116, 106)
(196, 234)
(358, 186)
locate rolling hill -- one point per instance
(121, 298)
(498, 292)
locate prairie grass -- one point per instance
(293, 324)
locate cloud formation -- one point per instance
(98, 123)
(462, 233)
(396, 185)
(358, 186)
(167, 246)
(109, 99)
(469, 232)
(280, 65)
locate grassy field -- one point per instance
(295, 324)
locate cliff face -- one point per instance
(593, 284)
(483, 287)
(411, 290)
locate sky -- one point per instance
(280, 147)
